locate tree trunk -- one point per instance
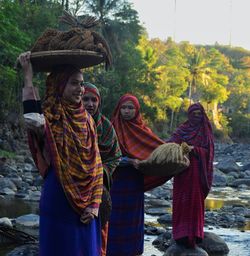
(171, 121)
(190, 90)
(216, 116)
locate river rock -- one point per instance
(177, 250)
(16, 179)
(151, 230)
(158, 203)
(240, 182)
(28, 220)
(6, 222)
(27, 250)
(156, 211)
(7, 183)
(28, 167)
(7, 192)
(163, 241)
(228, 165)
(246, 167)
(29, 160)
(7, 168)
(34, 195)
(165, 219)
(214, 245)
(219, 178)
(247, 173)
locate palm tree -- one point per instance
(101, 8)
(119, 22)
(197, 67)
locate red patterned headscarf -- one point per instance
(135, 138)
(93, 89)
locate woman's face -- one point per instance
(90, 102)
(74, 89)
(128, 110)
(196, 117)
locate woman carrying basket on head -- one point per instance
(63, 142)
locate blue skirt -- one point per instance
(60, 230)
(126, 225)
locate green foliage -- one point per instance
(224, 121)
(12, 42)
(119, 22)
(7, 154)
(239, 86)
(214, 90)
(165, 76)
(20, 25)
(240, 124)
(219, 134)
(10, 91)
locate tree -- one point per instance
(12, 42)
(126, 76)
(20, 25)
(197, 67)
(119, 22)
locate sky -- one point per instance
(226, 22)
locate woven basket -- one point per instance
(168, 160)
(45, 61)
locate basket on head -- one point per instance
(80, 46)
(45, 61)
(168, 160)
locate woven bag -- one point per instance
(168, 159)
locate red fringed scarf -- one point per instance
(136, 139)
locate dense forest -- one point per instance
(165, 75)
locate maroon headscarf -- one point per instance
(197, 131)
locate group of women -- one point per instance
(81, 154)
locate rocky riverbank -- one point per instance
(227, 204)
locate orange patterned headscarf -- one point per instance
(72, 141)
(136, 139)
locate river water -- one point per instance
(238, 240)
